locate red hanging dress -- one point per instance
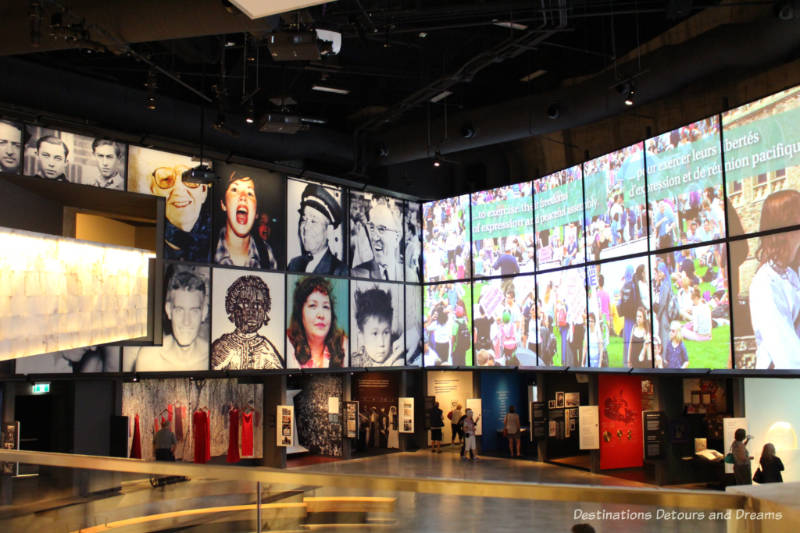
(233, 437)
(179, 423)
(200, 433)
(247, 434)
(136, 445)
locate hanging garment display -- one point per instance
(233, 438)
(136, 445)
(247, 434)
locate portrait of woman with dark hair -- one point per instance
(775, 289)
(378, 340)
(315, 339)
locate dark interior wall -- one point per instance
(563, 382)
(22, 209)
(94, 406)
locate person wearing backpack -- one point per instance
(628, 303)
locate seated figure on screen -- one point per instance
(385, 230)
(52, 154)
(186, 232)
(320, 214)
(11, 141)
(775, 289)
(374, 314)
(107, 155)
(236, 244)
(186, 308)
(248, 304)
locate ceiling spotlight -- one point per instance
(250, 115)
(441, 96)
(629, 96)
(151, 102)
(553, 111)
(151, 85)
(437, 160)
(423, 34)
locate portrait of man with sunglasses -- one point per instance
(376, 226)
(187, 230)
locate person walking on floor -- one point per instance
(511, 428)
(437, 423)
(469, 436)
(771, 466)
(455, 425)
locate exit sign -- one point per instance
(41, 388)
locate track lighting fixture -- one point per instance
(629, 96)
(437, 160)
(250, 115)
(151, 85)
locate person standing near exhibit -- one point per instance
(775, 289)
(107, 154)
(455, 427)
(470, 425)
(320, 214)
(771, 466)
(236, 244)
(741, 457)
(11, 142)
(511, 428)
(437, 423)
(165, 442)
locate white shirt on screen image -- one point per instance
(774, 309)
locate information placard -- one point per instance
(285, 425)
(406, 414)
(589, 427)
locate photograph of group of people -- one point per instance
(502, 231)
(558, 211)
(504, 322)
(561, 324)
(447, 319)
(62, 156)
(615, 214)
(684, 177)
(446, 239)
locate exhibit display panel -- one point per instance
(761, 145)
(247, 321)
(502, 231)
(446, 239)
(777, 421)
(376, 237)
(62, 293)
(561, 324)
(691, 308)
(558, 211)
(187, 229)
(504, 321)
(209, 418)
(619, 314)
(451, 389)
(249, 218)
(318, 403)
(447, 316)
(767, 302)
(376, 324)
(65, 156)
(621, 439)
(412, 249)
(414, 331)
(377, 394)
(315, 228)
(317, 322)
(614, 206)
(684, 185)
(186, 319)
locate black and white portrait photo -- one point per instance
(187, 230)
(413, 305)
(186, 325)
(315, 229)
(64, 156)
(12, 139)
(376, 234)
(376, 324)
(412, 251)
(247, 320)
(76, 361)
(249, 224)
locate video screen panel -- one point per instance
(504, 321)
(561, 324)
(247, 324)
(691, 308)
(187, 229)
(502, 231)
(317, 322)
(76, 361)
(446, 239)
(12, 142)
(616, 217)
(447, 316)
(376, 237)
(412, 247)
(684, 185)
(766, 302)
(186, 319)
(376, 323)
(315, 229)
(69, 157)
(414, 332)
(619, 314)
(249, 218)
(761, 143)
(558, 200)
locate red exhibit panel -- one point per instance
(620, 421)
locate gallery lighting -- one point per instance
(441, 96)
(151, 100)
(437, 160)
(255, 9)
(510, 25)
(629, 96)
(250, 115)
(62, 293)
(329, 89)
(533, 75)
(313, 120)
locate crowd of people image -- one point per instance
(504, 322)
(447, 322)
(446, 250)
(559, 245)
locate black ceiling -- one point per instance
(395, 55)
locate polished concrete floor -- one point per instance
(414, 512)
